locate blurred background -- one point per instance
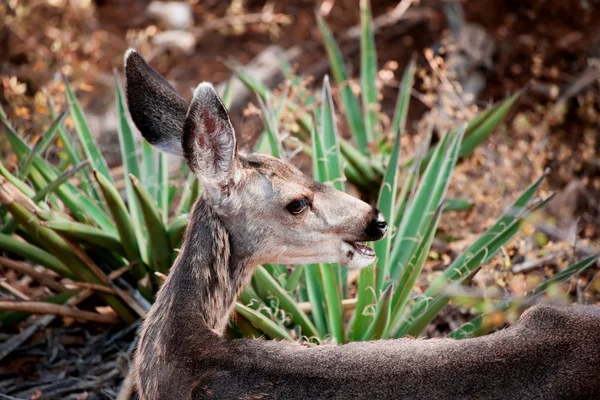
(468, 54)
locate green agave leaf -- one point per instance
(65, 138)
(177, 229)
(432, 301)
(319, 160)
(278, 272)
(479, 128)
(366, 300)
(11, 224)
(316, 297)
(306, 124)
(90, 148)
(314, 283)
(126, 233)
(293, 281)
(161, 249)
(382, 316)
(333, 300)
(22, 186)
(512, 215)
(360, 162)
(330, 138)
(414, 268)
(57, 246)
(353, 114)
(34, 254)
(75, 200)
(285, 302)
(270, 328)
(187, 195)
(130, 160)
(334, 169)
(82, 207)
(411, 179)
(484, 127)
(427, 198)
(163, 186)
(251, 299)
(386, 204)
(401, 111)
(458, 205)
(368, 71)
(87, 233)
(41, 145)
(270, 123)
(227, 94)
(55, 184)
(149, 172)
(481, 324)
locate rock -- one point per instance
(172, 14)
(265, 68)
(565, 205)
(177, 40)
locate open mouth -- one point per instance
(362, 249)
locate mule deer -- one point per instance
(257, 209)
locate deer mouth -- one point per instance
(362, 249)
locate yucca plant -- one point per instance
(84, 231)
(383, 306)
(73, 221)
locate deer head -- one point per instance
(272, 212)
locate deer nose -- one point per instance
(377, 227)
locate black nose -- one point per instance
(377, 227)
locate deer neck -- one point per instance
(207, 276)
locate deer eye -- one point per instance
(297, 206)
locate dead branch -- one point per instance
(40, 307)
(28, 270)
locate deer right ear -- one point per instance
(156, 108)
(209, 144)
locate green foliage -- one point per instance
(70, 226)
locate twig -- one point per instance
(40, 307)
(246, 19)
(28, 270)
(13, 343)
(347, 304)
(446, 83)
(93, 286)
(126, 386)
(587, 78)
(13, 290)
(532, 264)
(399, 13)
(558, 234)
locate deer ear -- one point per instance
(209, 143)
(156, 108)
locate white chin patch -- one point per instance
(356, 255)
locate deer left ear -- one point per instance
(209, 143)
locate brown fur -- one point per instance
(241, 221)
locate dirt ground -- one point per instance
(550, 45)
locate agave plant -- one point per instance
(383, 306)
(87, 232)
(73, 221)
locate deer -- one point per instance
(257, 209)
